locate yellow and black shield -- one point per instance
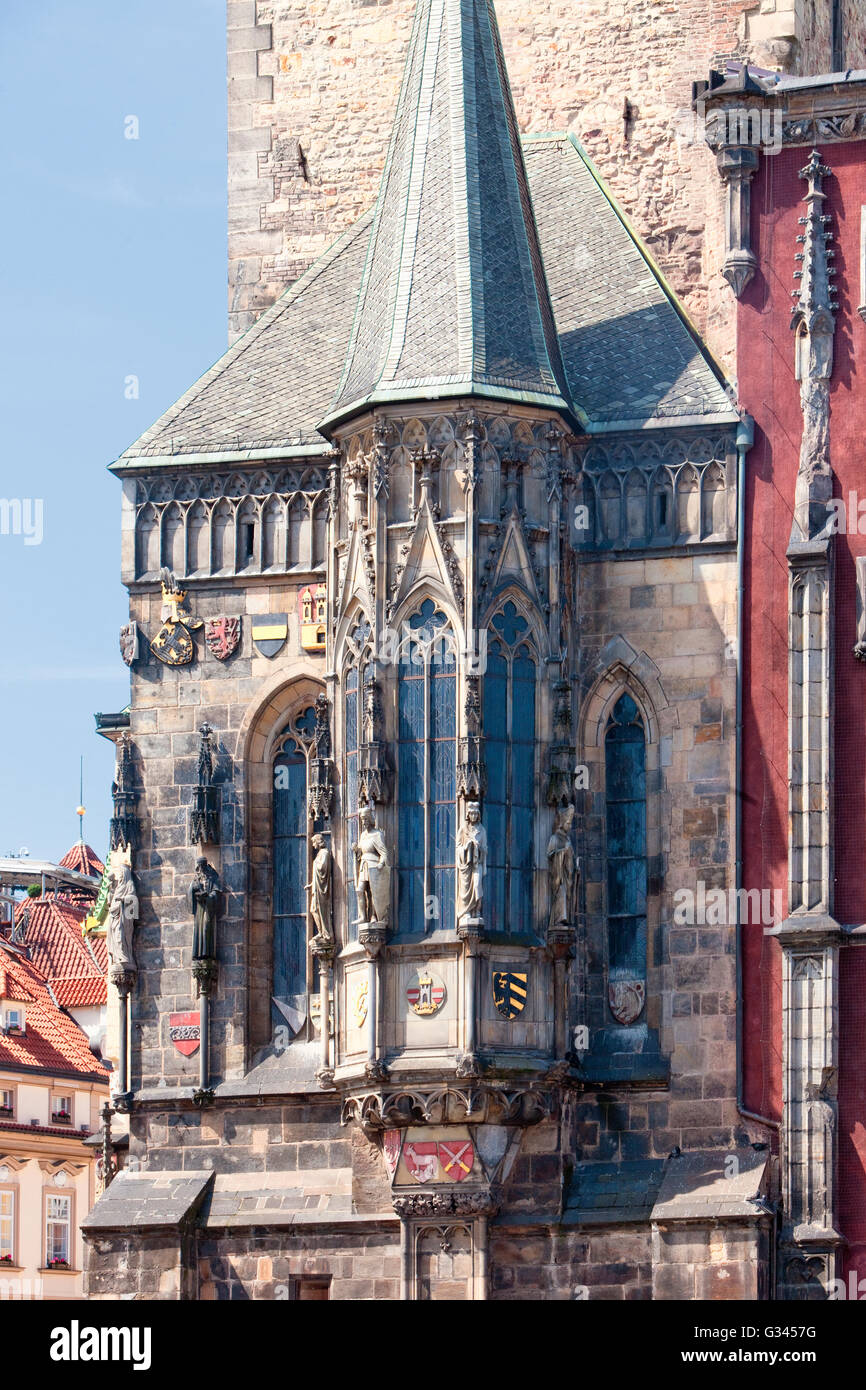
(509, 991)
(173, 644)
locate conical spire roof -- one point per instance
(453, 297)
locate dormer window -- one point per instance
(13, 1020)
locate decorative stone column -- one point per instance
(372, 937)
(810, 936)
(124, 982)
(324, 953)
(205, 974)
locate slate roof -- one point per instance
(629, 351)
(51, 1041)
(413, 304)
(272, 387)
(453, 298)
(149, 1200)
(613, 1192)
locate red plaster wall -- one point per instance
(769, 392)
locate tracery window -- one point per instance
(291, 780)
(625, 796)
(359, 654)
(510, 682)
(427, 771)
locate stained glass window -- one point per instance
(290, 859)
(352, 711)
(625, 794)
(509, 805)
(427, 772)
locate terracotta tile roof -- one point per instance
(52, 1041)
(78, 991)
(84, 859)
(73, 964)
(64, 1130)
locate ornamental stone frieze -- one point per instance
(633, 492)
(206, 524)
(379, 1110)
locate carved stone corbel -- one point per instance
(737, 165)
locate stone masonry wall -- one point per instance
(313, 87)
(168, 707)
(679, 612)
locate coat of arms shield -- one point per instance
(185, 1032)
(509, 992)
(222, 636)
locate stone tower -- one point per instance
(433, 601)
(313, 89)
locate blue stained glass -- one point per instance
(290, 863)
(510, 623)
(426, 774)
(351, 808)
(509, 728)
(625, 793)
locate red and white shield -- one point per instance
(422, 1161)
(185, 1032)
(222, 636)
(392, 1142)
(456, 1158)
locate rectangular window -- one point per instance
(57, 1226)
(7, 1104)
(61, 1109)
(14, 1019)
(7, 1227)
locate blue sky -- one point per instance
(113, 263)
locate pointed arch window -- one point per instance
(291, 782)
(359, 654)
(427, 771)
(626, 833)
(510, 685)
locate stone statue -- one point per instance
(563, 869)
(122, 914)
(372, 871)
(319, 887)
(203, 894)
(471, 864)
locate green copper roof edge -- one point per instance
(273, 311)
(693, 332)
(392, 395)
(128, 463)
(663, 422)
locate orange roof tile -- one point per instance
(51, 1041)
(84, 859)
(79, 991)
